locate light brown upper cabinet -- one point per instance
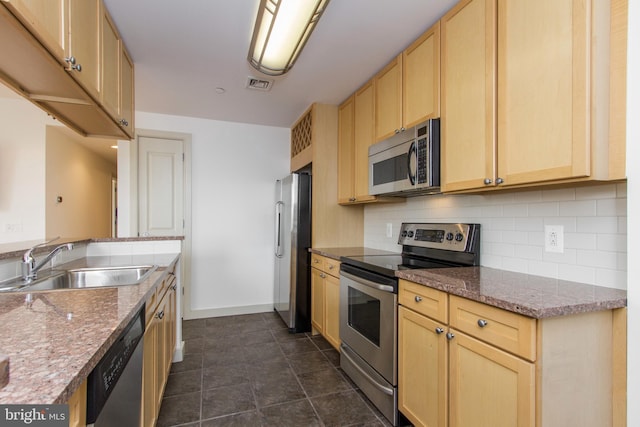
(110, 66)
(525, 89)
(83, 51)
(46, 20)
(127, 100)
(407, 90)
(117, 76)
(66, 57)
(355, 135)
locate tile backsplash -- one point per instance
(594, 220)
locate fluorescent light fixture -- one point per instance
(281, 31)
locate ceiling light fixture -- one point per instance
(282, 29)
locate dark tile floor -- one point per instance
(250, 371)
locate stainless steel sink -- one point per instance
(90, 278)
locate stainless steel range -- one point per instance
(369, 300)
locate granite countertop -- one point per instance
(533, 296)
(54, 342)
(336, 253)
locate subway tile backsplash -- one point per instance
(512, 237)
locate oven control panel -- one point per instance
(448, 236)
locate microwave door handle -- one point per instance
(411, 174)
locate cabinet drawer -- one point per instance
(317, 261)
(150, 307)
(509, 331)
(424, 300)
(332, 267)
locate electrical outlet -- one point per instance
(13, 228)
(554, 238)
(389, 229)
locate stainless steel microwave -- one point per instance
(408, 163)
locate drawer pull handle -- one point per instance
(316, 260)
(331, 267)
(418, 298)
(160, 315)
(482, 323)
(322, 275)
(439, 330)
(450, 336)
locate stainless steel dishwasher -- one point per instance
(114, 387)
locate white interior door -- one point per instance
(160, 186)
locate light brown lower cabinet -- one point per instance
(325, 298)
(462, 363)
(159, 342)
(78, 406)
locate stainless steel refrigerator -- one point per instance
(292, 298)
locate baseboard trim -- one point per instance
(228, 311)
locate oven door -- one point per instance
(368, 318)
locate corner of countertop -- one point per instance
(4, 370)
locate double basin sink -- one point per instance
(82, 278)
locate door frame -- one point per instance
(185, 295)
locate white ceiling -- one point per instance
(184, 50)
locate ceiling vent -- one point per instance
(259, 84)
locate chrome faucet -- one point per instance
(29, 266)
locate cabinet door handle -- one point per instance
(487, 181)
(160, 314)
(71, 60)
(439, 330)
(417, 298)
(331, 267)
(316, 260)
(482, 323)
(450, 336)
(175, 286)
(499, 181)
(322, 275)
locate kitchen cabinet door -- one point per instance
(346, 152)
(363, 135)
(84, 44)
(317, 300)
(46, 19)
(487, 386)
(332, 310)
(422, 369)
(78, 406)
(468, 107)
(127, 100)
(149, 374)
(543, 90)
(421, 78)
(388, 100)
(110, 86)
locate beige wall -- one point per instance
(83, 180)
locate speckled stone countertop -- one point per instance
(54, 342)
(533, 296)
(336, 253)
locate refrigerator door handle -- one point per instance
(278, 236)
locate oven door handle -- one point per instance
(369, 283)
(345, 353)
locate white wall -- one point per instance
(234, 168)
(633, 232)
(22, 170)
(512, 234)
